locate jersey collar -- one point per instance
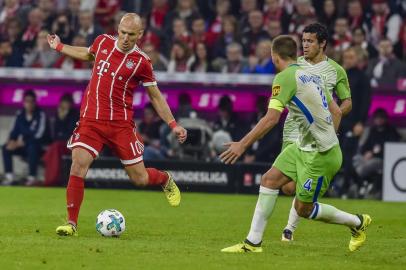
(130, 51)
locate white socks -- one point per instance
(263, 210)
(330, 214)
(294, 218)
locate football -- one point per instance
(110, 222)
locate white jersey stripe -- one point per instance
(88, 92)
(112, 86)
(126, 84)
(97, 86)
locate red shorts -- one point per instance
(120, 136)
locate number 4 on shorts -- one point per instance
(308, 184)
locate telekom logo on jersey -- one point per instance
(102, 66)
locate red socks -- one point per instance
(156, 177)
(74, 197)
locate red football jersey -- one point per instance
(115, 74)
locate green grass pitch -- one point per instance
(188, 237)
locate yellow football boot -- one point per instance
(242, 248)
(172, 192)
(358, 235)
(67, 230)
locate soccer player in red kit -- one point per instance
(106, 115)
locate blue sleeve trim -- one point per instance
(303, 108)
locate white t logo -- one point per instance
(102, 67)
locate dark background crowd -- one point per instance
(368, 38)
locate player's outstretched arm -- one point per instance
(163, 110)
(336, 114)
(236, 149)
(346, 106)
(80, 53)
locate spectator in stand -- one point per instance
(385, 70)
(184, 106)
(151, 35)
(10, 10)
(61, 27)
(341, 38)
(48, 10)
(62, 128)
(156, 17)
(400, 46)
(273, 11)
(186, 10)
(274, 29)
(73, 13)
(303, 15)
(261, 63)
(235, 61)
(200, 61)
(359, 40)
(180, 34)
(87, 27)
(228, 120)
(246, 7)
(268, 147)
(68, 63)
(200, 35)
(384, 22)
(329, 15)
(356, 16)
(105, 11)
(159, 62)
(222, 10)
(180, 54)
(370, 165)
(149, 128)
(254, 33)
(352, 125)
(42, 56)
(35, 24)
(13, 47)
(229, 34)
(26, 138)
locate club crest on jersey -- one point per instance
(129, 64)
(104, 51)
(276, 89)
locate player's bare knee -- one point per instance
(304, 209)
(269, 182)
(78, 168)
(288, 189)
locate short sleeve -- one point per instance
(146, 74)
(342, 87)
(95, 45)
(284, 86)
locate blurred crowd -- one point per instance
(40, 139)
(208, 35)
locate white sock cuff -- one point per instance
(316, 211)
(268, 191)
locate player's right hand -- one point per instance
(181, 133)
(53, 41)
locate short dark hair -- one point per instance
(285, 46)
(226, 104)
(67, 97)
(380, 113)
(320, 31)
(30, 93)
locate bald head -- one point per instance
(132, 20)
(130, 30)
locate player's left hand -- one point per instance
(180, 133)
(234, 151)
